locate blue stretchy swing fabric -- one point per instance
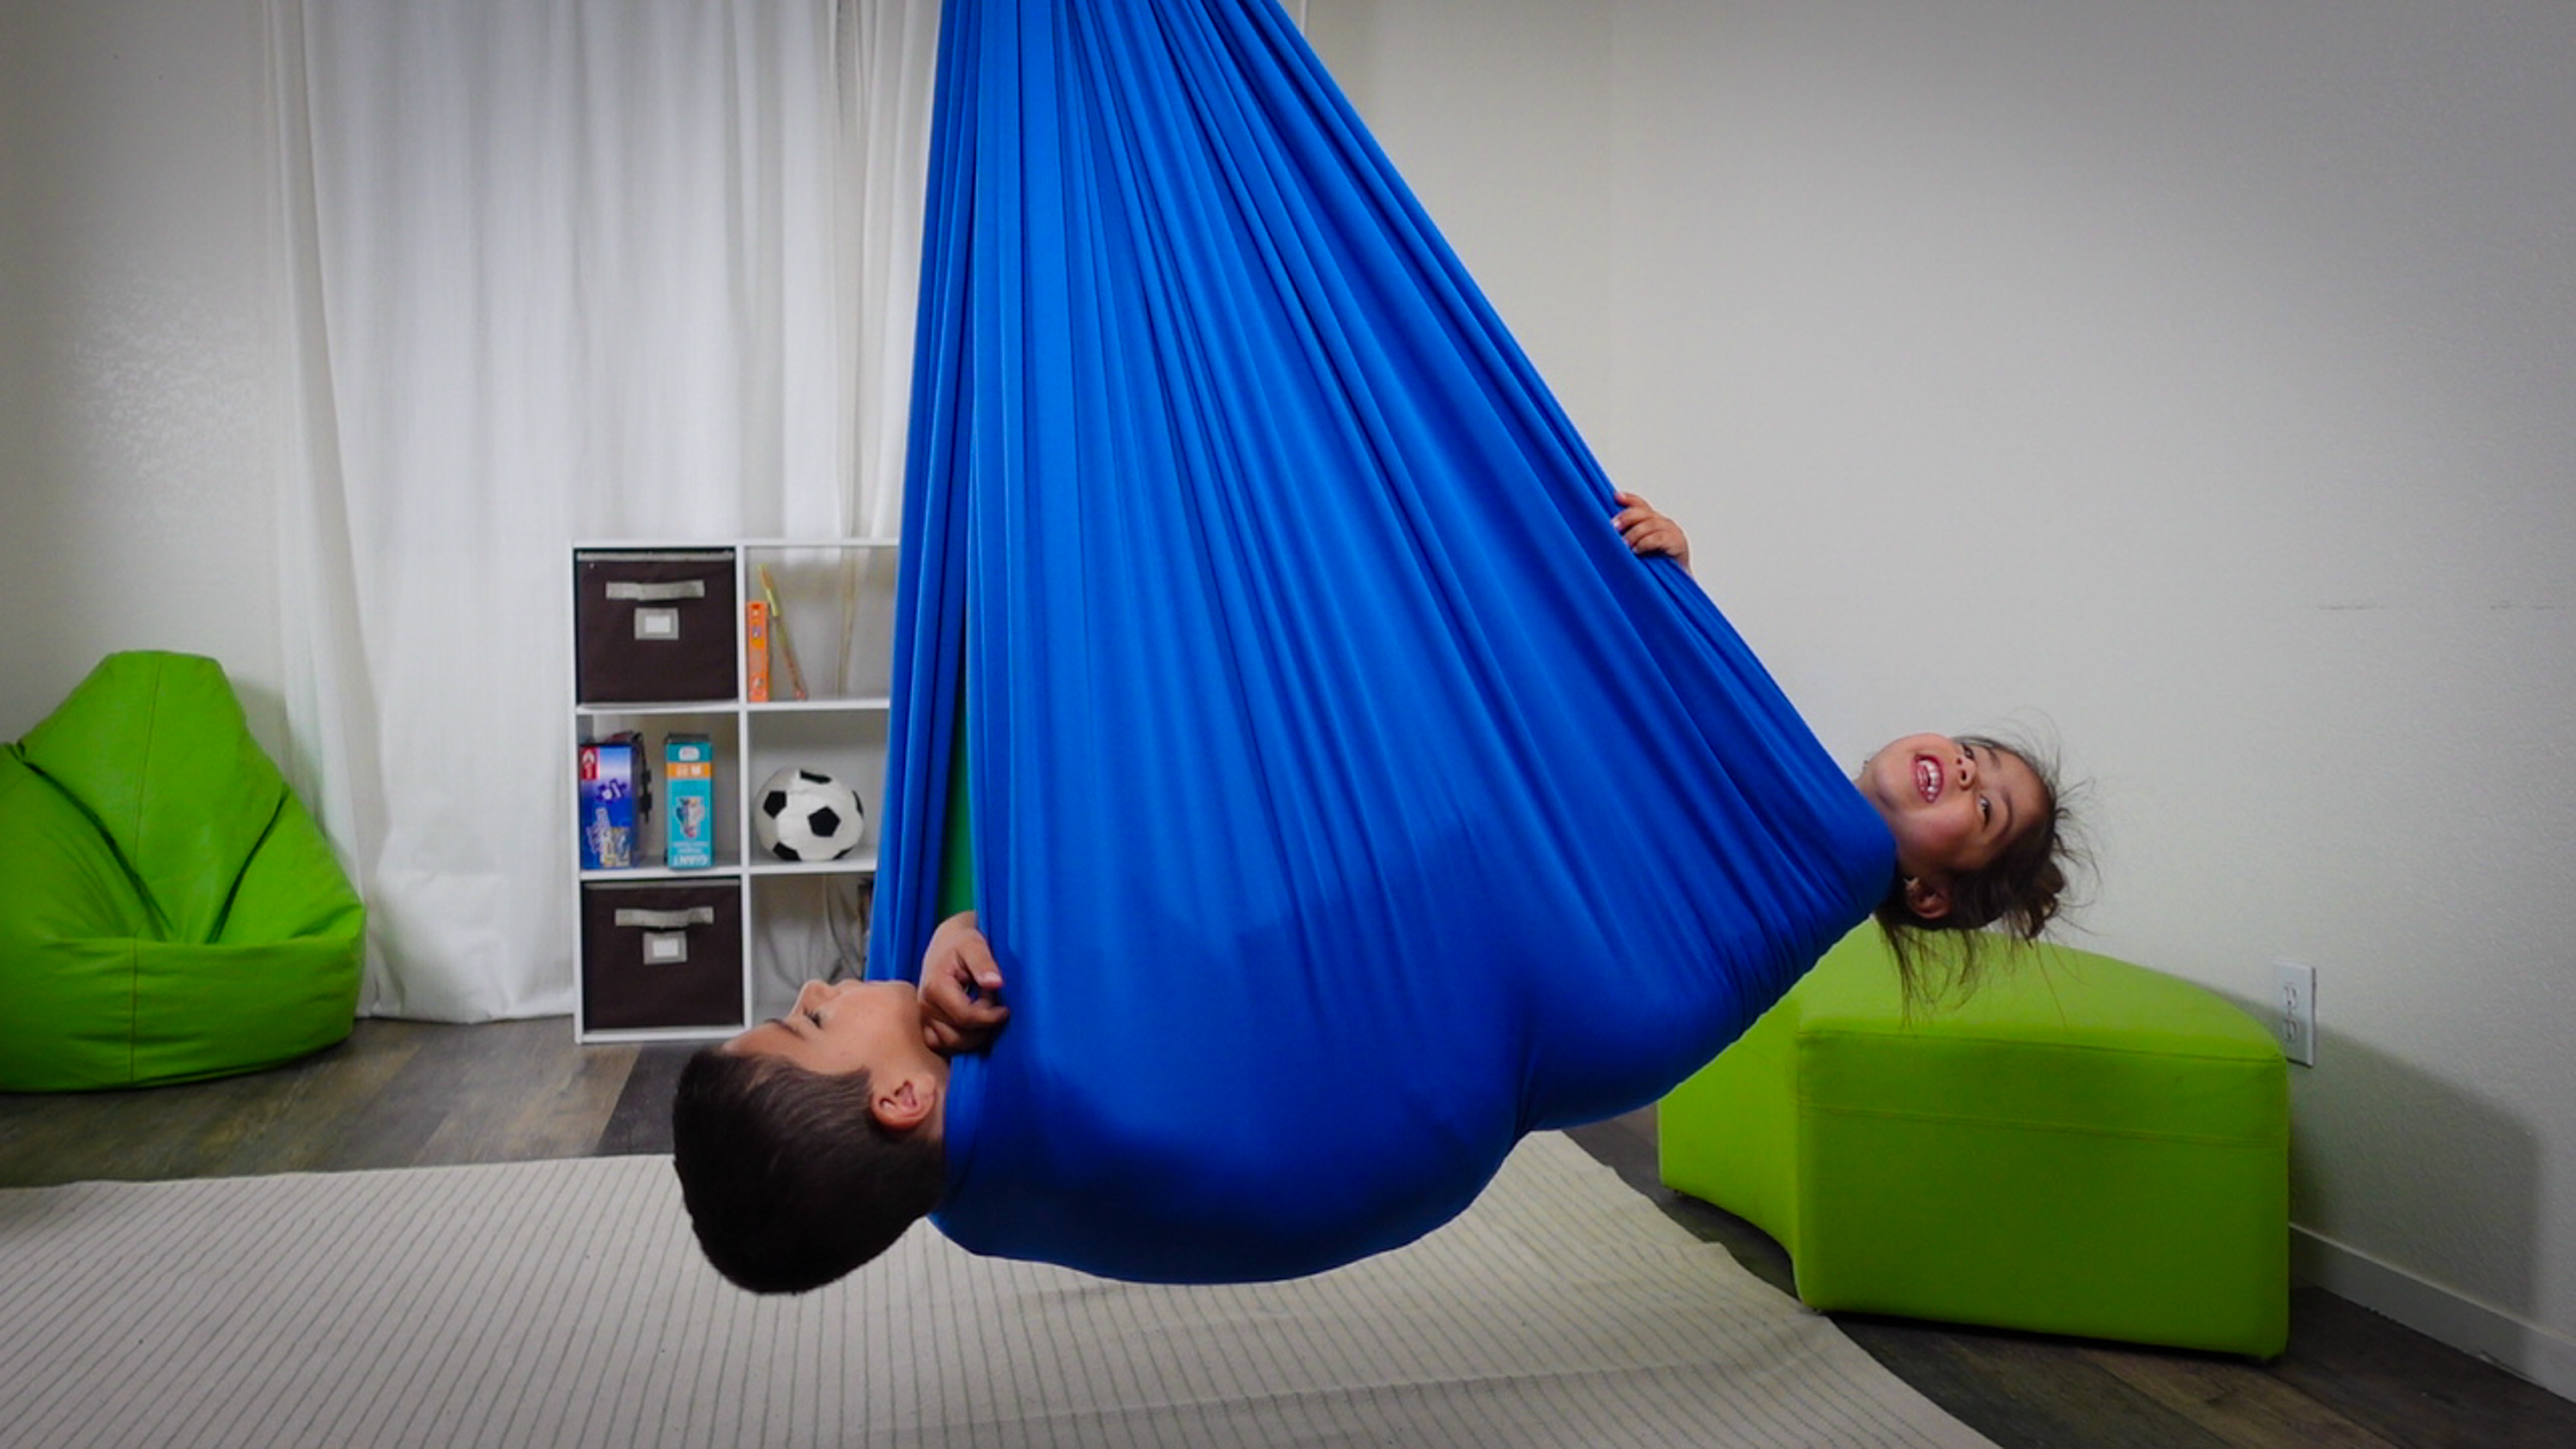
(1346, 799)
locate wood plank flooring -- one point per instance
(400, 1094)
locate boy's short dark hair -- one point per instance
(788, 1177)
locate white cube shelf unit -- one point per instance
(661, 650)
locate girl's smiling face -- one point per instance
(1953, 806)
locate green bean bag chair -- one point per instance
(168, 911)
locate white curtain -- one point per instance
(560, 270)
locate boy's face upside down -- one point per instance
(840, 1027)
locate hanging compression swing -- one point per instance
(1347, 801)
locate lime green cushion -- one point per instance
(2083, 1147)
(168, 911)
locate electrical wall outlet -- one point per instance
(2294, 1010)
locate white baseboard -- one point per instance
(2515, 1344)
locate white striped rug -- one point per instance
(563, 1304)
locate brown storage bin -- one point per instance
(654, 625)
(661, 954)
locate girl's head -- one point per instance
(1981, 841)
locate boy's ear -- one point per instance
(901, 1103)
(1927, 897)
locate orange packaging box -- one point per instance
(755, 654)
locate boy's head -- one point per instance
(808, 1144)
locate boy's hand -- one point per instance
(1648, 532)
(961, 989)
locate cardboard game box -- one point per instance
(689, 772)
(755, 652)
(613, 800)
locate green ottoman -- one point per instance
(2083, 1147)
(168, 912)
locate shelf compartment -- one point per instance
(652, 623)
(662, 955)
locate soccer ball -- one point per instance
(807, 815)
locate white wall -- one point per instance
(2192, 382)
(137, 371)
(2191, 379)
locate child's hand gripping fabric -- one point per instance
(961, 989)
(1648, 532)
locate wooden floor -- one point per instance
(405, 1094)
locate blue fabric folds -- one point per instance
(1347, 800)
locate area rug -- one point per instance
(564, 1304)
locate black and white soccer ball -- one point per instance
(807, 815)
